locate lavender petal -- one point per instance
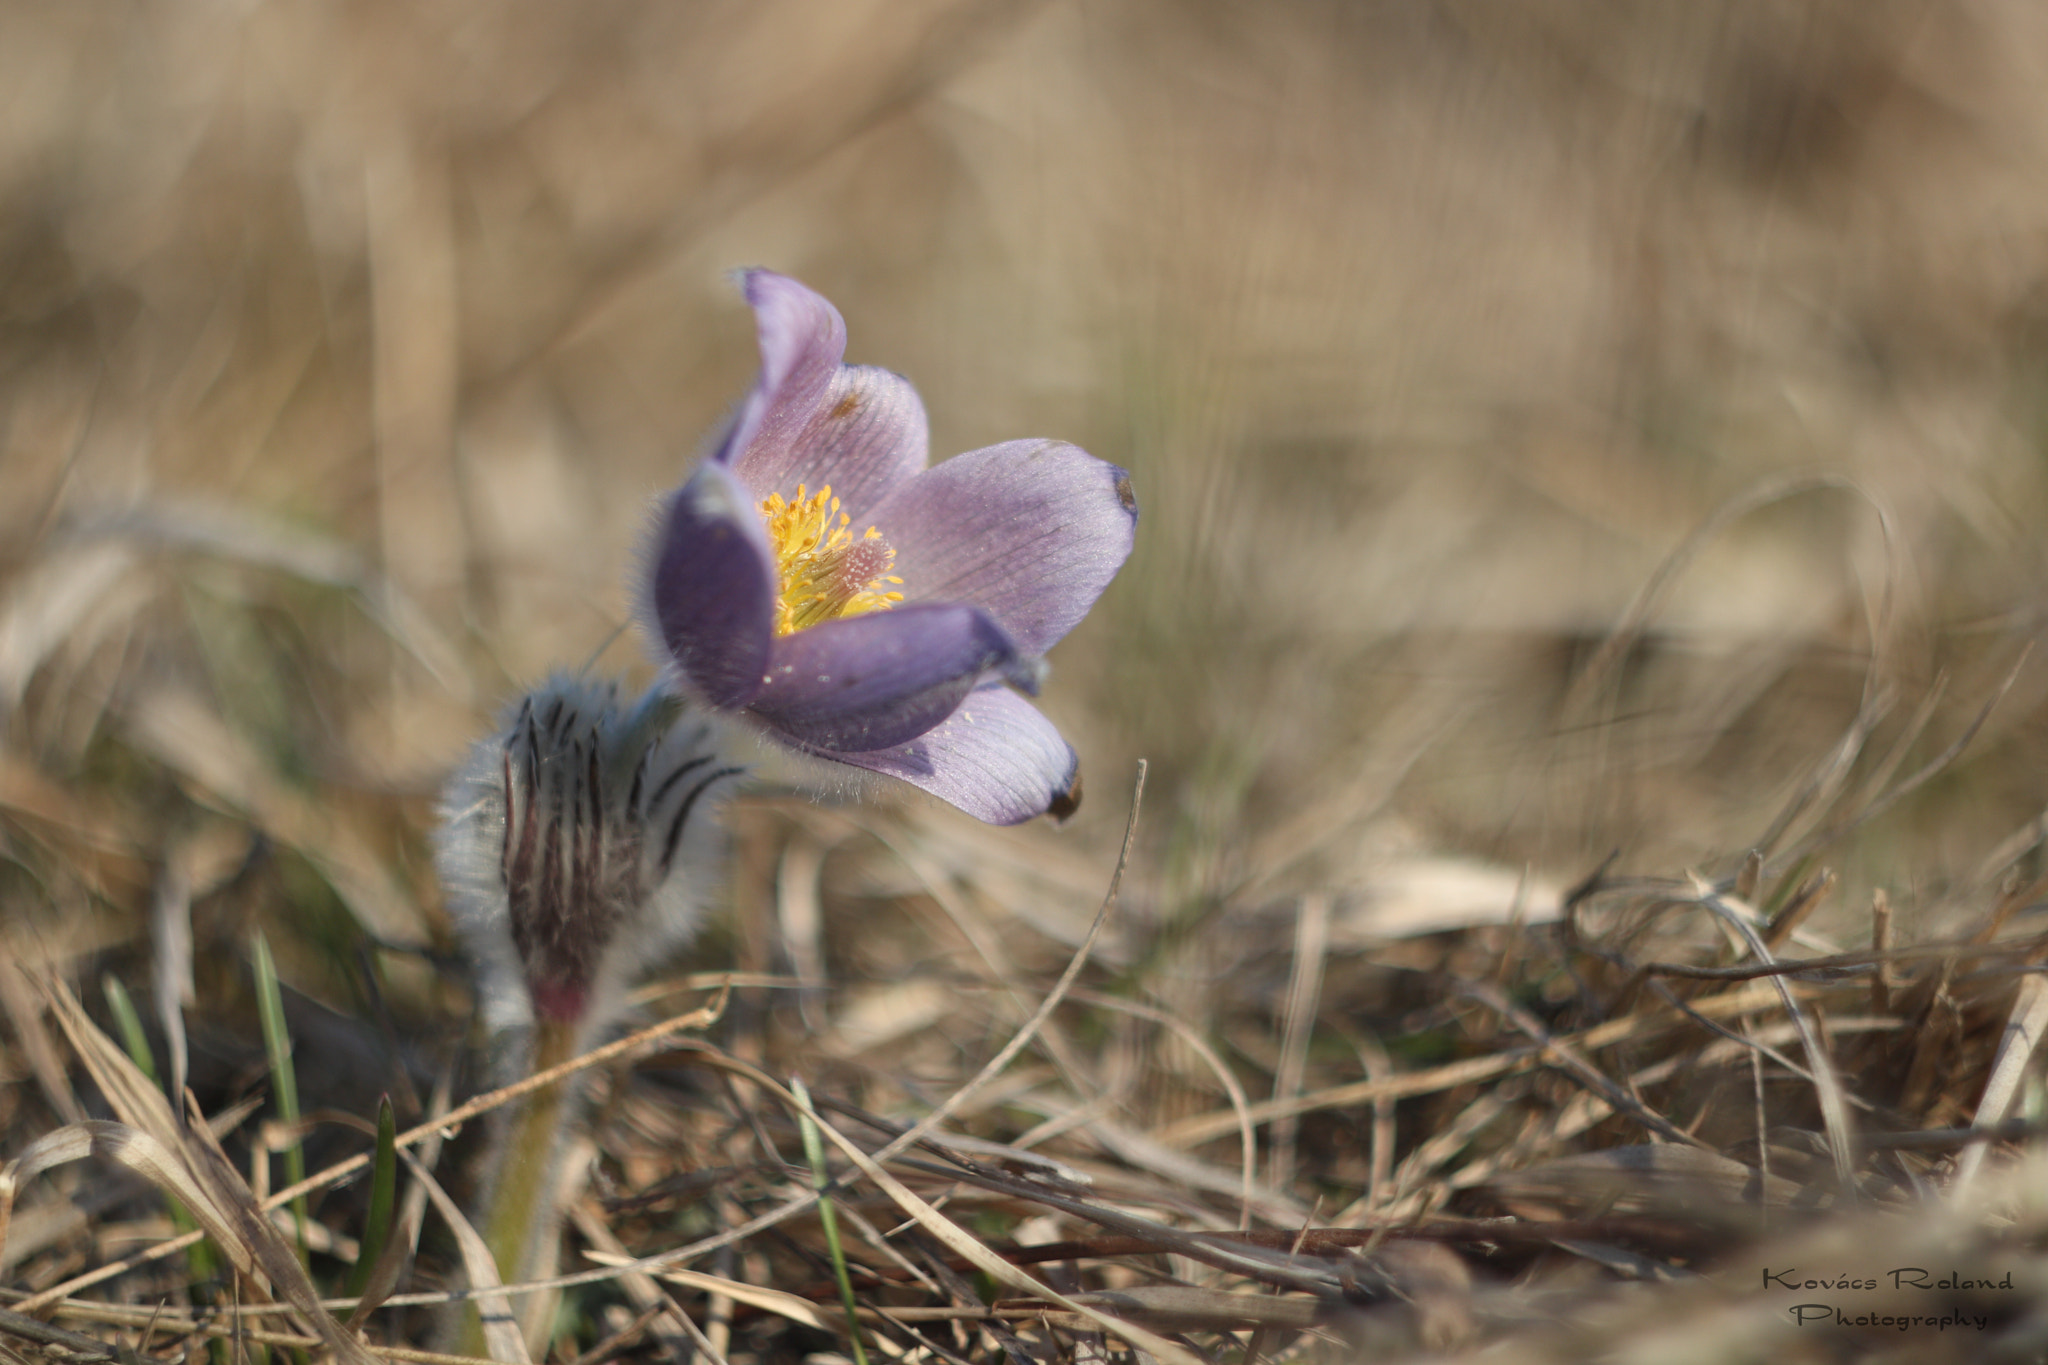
(1030, 531)
(802, 338)
(996, 758)
(710, 587)
(870, 682)
(867, 435)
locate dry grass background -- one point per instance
(1561, 431)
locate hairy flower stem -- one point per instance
(523, 1218)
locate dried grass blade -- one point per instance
(1570, 1060)
(1240, 1103)
(1226, 1252)
(1405, 1085)
(1873, 788)
(135, 1150)
(135, 1098)
(225, 1207)
(34, 1039)
(777, 1301)
(61, 1345)
(502, 1336)
(965, 1245)
(1304, 991)
(252, 1224)
(1926, 773)
(1649, 599)
(432, 1128)
(1171, 1164)
(1828, 776)
(1804, 902)
(1187, 1308)
(44, 606)
(2023, 1028)
(2010, 849)
(640, 1288)
(1827, 1083)
(996, 1064)
(200, 1259)
(170, 939)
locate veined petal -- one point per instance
(869, 682)
(709, 587)
(802, 339)
(1031, 531)
(996, 757)
(868, 435)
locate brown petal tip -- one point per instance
(1065, 803)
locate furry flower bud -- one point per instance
(576, 843)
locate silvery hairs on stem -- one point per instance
(576, 845)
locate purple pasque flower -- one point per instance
(815, 576)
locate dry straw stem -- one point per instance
(927, 1125)
(2015, 1053)
(1304, 994)
(646, 1295)
(963, 1244)
(624, 1046)
(949, 1233)
(1599, 675)
(776, 1301)
(232, 1324)
(501, 1333)
(1632, 1028)
(1826, 1083)
(63, 1345)
(1022, 1038)
(483, 1104)
(184, 1161)
(1315, 1262)
(1240, 1103)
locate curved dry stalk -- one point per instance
(1827, 1084)
(1240, 1103)
(1921, 776)
(1649, 599)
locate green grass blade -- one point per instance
(383, 1198)
(130, 1024)
(278, 1043)
(828, 1217)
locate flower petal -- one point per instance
(709, 587)
(996, 757)
(869, 682)
(868, 435)
(802, 338)
(1031, 531)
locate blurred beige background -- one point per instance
(342, 346)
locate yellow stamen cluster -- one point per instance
(827, 572)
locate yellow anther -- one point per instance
(826, 571)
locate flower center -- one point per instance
(827, 571)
